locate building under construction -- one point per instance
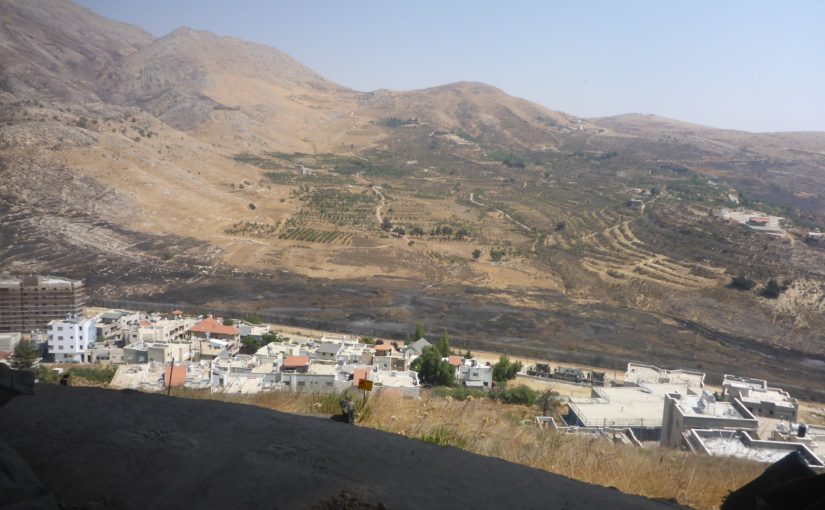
(30, 302)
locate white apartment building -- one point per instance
(159, 330)
(70, 337)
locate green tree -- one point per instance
(496, 254)
(419, 332)
(772, 289)
(505, 370)
(252, 343)
(432, 369)
(269, 337)
(228, 322)
(476, 253)
(25, 355)
(254, 319)
(549, 401)
(468, 354)
(443, 345)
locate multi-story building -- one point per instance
(683, 413)
(159, 330)
(759, 398)
(69, 339)
(31, 302)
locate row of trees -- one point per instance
(445, 231)
(434, 370)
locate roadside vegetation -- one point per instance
(506, 431)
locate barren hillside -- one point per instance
(206, 171)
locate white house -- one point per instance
(70, 337)
(473, 374)
(247, 329)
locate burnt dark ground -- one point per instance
(595, 334)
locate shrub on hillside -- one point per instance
(741, 282)
(772, 289)
(520, 394)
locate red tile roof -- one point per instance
(455, 361)
(296, 361)
(383, 347)
(214, 327)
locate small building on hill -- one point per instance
(214, 329)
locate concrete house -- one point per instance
(760, 399)
(682, 413)
(473, 374)
(417, 347)
(328, 351)
(212, 328)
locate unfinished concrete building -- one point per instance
(683, 413)
(759, 398)
(742, 445)
(637, 408)
(639, 374)
(31, 302)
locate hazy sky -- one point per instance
(754, 65)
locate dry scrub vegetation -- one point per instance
(490, 428)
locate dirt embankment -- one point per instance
(97, 448)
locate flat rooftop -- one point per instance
(625, 406)
(774, 395)
(694, 405)
(392, 379)
(638, 373)
(321, 369)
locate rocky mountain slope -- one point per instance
(207, 171)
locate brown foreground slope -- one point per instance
(98, 448)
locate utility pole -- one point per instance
(169, 379)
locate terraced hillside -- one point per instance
(202, 171)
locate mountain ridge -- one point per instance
(200, 168)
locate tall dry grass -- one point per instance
(507, 432)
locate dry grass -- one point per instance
(507, 432)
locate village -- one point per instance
(646, 406)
